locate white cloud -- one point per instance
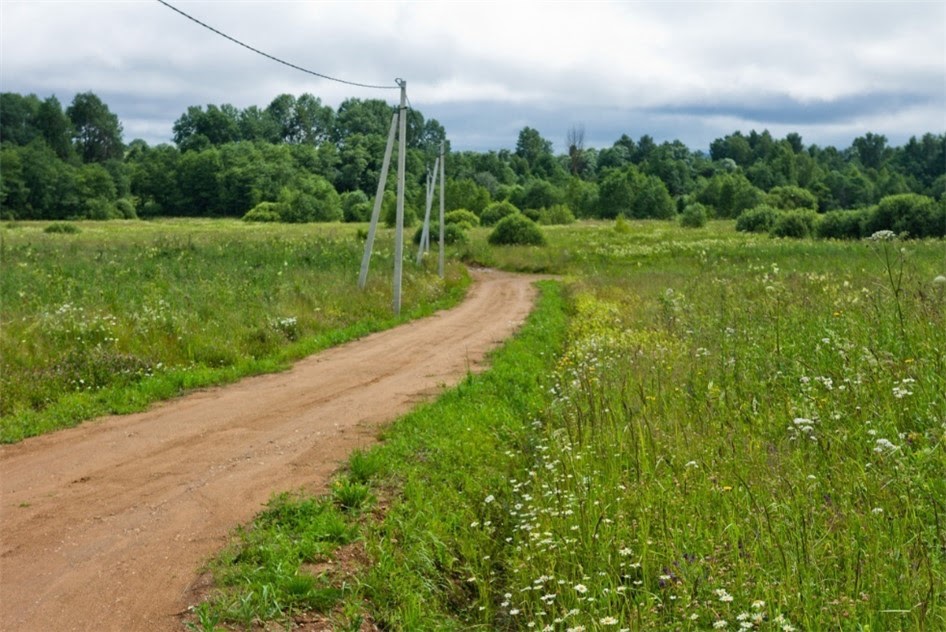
(551, 56)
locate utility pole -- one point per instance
(425, 230)
(440, 261)
(378, 198)
(399, 226)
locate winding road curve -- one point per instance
(103, 526)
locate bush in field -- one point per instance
(101, 209)
(693, 216)
(389, 211)
(312, 199)
(756, 220)
(496, 211)
(842, 225)
(62, 227)
(462, 216)
(264, 212)
(621, 225)
(916, 215)
(533, 213)
(795, 224)
(356, 207)
(452, 234)
(556, 215)
(517, 229)
(789, 198)
(126, 208)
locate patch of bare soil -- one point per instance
(103, 526)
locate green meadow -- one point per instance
(106, 317)
(697, 429)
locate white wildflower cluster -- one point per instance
(883, 235)
(902, 389)
(884, 446)
(801, 428)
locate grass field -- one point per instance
(728, 432)
(119, 314)
(697, 429)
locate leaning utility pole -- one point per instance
(378, 199)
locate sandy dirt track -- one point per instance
(104, 526)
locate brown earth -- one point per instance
(105, 526)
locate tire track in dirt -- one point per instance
(103, 526)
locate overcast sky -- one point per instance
(692, 71)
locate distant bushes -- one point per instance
(452, 234)
(693, 216)
(464, 218)
(756, 220)
(497, 211)
(517, 229)
(61, 228)
(796, 224)
(557, 214)
(908, 214)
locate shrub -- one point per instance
(795, 224)
(517, 229)
(693, 216)
(356, 207)
(264, 212)
(791, 197)
(557, 215)
(621, 225)
(126, 208)
(62, 227)
(842, 225)
(389, 212)
(496, 211)
(910, 213)
(101, 209)
(532, 213)
(452, 234)
(461, 216)
(756, 220)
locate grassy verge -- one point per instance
(441, 472)
(117, 315)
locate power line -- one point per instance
(276, 59)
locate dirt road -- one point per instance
(103, 526)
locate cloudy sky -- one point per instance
(692, 71)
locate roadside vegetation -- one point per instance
(728, 431)
(111, 316)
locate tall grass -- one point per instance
(734, 432)
(748, 436)
(122, 313)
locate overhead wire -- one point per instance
(276, 59)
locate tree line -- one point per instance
(311, 162)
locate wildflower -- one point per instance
(625, 552)
(883, 445)
(692, 464)
(723, 595)
(581, 588)
(608, 621)
(720, 624)
(514, 611)
(883, 235)
(489, 499)
(877, 510)
(758, 605)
